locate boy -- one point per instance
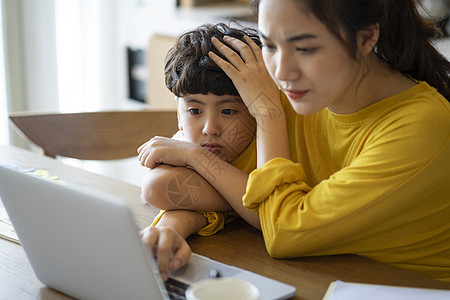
(212, 153)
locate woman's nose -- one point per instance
(286, 68)
(212, 127)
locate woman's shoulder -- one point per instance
(418, 118)
(421, 104)
(423, 91)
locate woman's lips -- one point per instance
(214, 148)
(295, 95)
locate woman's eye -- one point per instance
(194, 111)
(306, 50)
(228, 111)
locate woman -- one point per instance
(356, 161)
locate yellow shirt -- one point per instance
(374, 183)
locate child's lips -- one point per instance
(214, 148)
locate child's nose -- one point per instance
(212, 127)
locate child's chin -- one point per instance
(227, 158)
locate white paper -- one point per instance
(340, 290)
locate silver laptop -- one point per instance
(86, 244)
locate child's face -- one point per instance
(220, 124)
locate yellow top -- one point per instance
(374, 183)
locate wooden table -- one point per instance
(239, 245)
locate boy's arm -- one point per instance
(169, 188)
(230, 182)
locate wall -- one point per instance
(40, 75)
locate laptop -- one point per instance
(85, 244)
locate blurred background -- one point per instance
(90, 55)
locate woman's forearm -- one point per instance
(272, 139)
(271, 131)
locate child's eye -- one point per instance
(268, 47)
(194, 111)
(228, 111)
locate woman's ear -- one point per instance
(368, 38)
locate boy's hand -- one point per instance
(162, 150)
(170, 248)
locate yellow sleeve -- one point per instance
(216, 221)
(158, 217)
(263, 180)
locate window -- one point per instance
(84, 55)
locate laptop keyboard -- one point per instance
(176, 289)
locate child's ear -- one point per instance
(368, 38)
(180, 127)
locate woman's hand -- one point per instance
(260, 94)
(163, 150)
(249, 75)
(165, 242)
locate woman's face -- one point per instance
(305, 59)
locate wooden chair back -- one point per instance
(94, 135)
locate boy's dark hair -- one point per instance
(188, 68)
